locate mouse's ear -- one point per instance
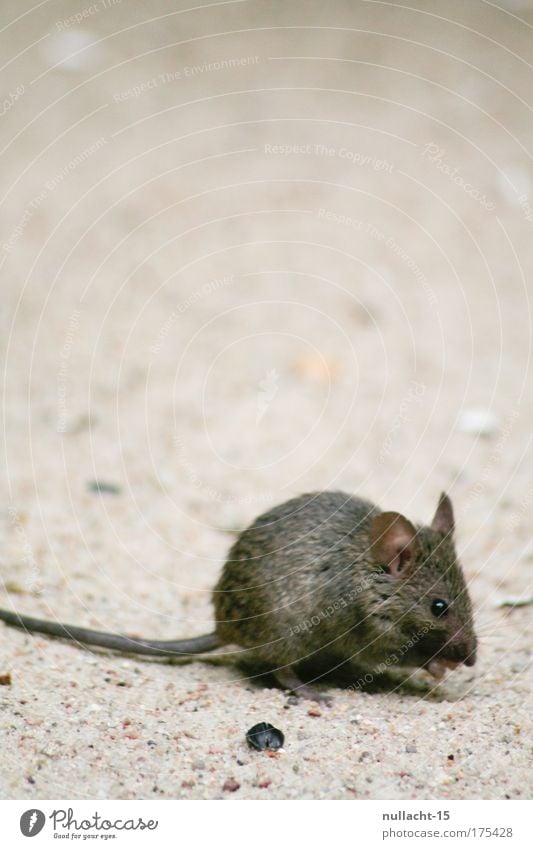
(393, 544)
(443, 518)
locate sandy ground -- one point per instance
(248, 251)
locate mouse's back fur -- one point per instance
(310, 582)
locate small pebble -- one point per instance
(69, 51)
(316, 367)
(5, 679)
(292, 700)
(411, 748)
(515, 602)
(198, 765)
(104, 487)
(477, 422)
(14, 587)
(527, 553)
(230, 785)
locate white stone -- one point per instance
(72, 51)
(478, 422)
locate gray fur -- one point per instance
(320, 581)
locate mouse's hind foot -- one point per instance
(288, 679)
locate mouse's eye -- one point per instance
(439, 607)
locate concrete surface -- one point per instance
(249, 250)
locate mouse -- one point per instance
(322, 580)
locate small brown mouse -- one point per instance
(321, 580)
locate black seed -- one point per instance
(264, 736)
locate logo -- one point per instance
(32, 822)
(268, 389)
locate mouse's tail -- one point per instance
(116, 642)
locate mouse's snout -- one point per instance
(462, 648)
(470, 657)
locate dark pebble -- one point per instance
(103, 486)
(264, 736)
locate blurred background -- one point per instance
(250, 249)
(257, 248)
